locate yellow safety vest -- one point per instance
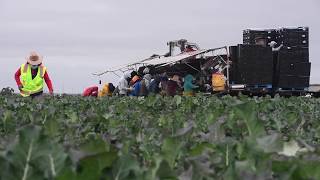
(218, 82)
(105, 91)
(31, 86)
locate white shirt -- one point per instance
(123, 86)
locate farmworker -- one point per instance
(123, 85)
(107, 90)
(135, 86)
(261, 41)
(133, 74)
(173, 86)
(31, 76)
(273, 45)
(218, 82)
(91, 91)
(146, 70)
(163, 84)
(139, 87)
(154, 87)
(143, 91)
(188, 86)
(147, 77)
(147, 80)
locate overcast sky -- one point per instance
(78, 37)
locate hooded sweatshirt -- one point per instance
(188, 86)
(124, 84)
(147, 79)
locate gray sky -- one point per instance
(77, 37)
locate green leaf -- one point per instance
(170, 150)
(51, 127)
(126, 168)
(34, 155)
(95, 145)
(248, 113)
(8, 121)
(91, 167)
(200, 148)
(271, 143)
(178, 100)
(160, 169)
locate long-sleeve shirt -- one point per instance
(123, 86)
(34, 74)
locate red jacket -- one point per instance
(91, 91)
(34, 73)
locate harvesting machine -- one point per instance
(268, 62)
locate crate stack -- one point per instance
(252, 65)
(250, 36)
(293, 66)
(293, 37)
(233, 57)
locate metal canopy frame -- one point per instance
(216, 57)
(136, 65)
(226, 62)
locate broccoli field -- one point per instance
(187, 138)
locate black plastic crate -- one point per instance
(294, 37)
(250, 35)
(260, 31)
(256, 68)
(290, 81)
(294, 30)
(262, 78)
(233, 55)
(233, 51)
(297, 69)
(254, 53)
(293, 54)
(254, 65)
(298, 35)
(295, 43)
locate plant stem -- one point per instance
(26, 168)
(227, 156)
(53, 171)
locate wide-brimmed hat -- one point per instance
(34, 58)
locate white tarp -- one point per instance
(161, 60)
(172, 59)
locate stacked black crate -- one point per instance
(250, 36)
(233, 76)
(293, 66)
(254, 66)
(294, 37)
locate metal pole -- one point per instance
(192, 67)
(228, 83)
